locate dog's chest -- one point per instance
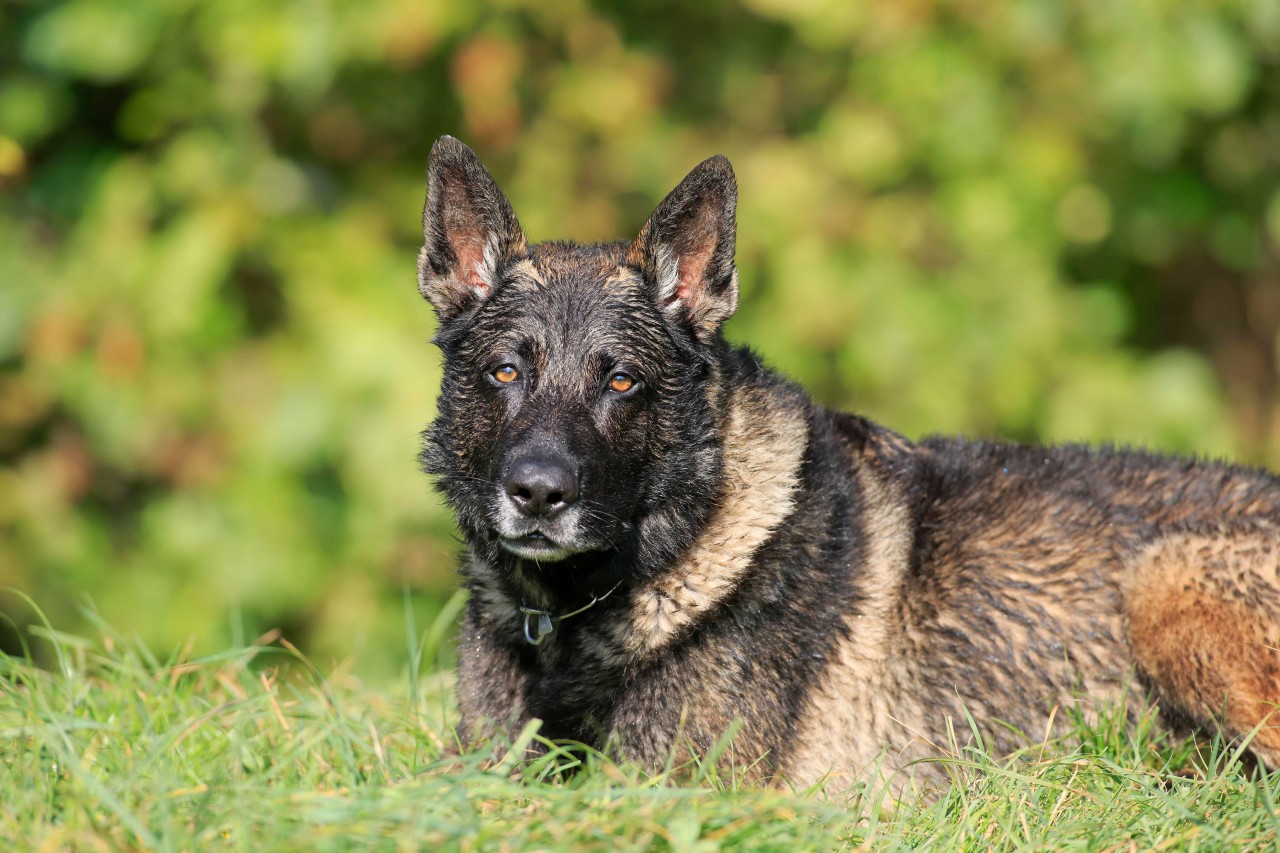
(571, 689)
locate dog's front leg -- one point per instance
(667, 721)
(492, 686)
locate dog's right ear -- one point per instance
(469, 228)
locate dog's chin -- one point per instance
(536, 547)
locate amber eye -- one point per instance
(621, 382)
(506, 373)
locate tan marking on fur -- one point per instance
(764, 445)
(862, 702)
(1204, 624)
(524, 273)
(622, 278)
(888, 528)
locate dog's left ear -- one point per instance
(686, 248)
(470, 231)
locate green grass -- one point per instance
(113, 749)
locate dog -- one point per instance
(668, 542)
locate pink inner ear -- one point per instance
(693, 270)
(466, 235)
(469, 249)
(696, 246)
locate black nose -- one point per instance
(542, 487)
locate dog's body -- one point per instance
(665, 537)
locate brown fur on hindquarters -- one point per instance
(1204, 627)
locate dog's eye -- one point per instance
(506, 374)
(621, 382)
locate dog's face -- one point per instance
(553, 387)
(577, 411)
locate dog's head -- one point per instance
(578, 416)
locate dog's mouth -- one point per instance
(535, 545)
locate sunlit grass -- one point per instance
(254, 749)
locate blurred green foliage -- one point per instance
(1041, 220)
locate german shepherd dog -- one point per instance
(667, 541)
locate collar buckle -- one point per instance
(546, 622)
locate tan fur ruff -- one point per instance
(848, 722)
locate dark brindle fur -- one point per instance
(840, 590)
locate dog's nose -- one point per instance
(542, 487)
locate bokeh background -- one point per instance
(1036, 220)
